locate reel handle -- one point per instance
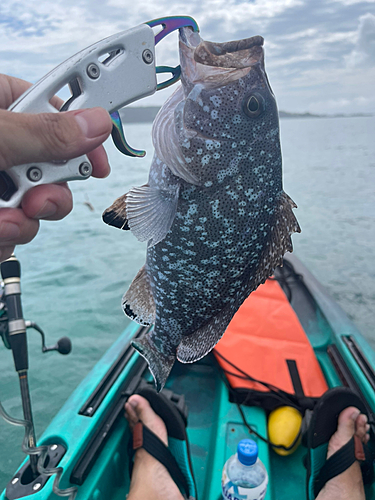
(63, 346)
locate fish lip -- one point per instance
(222, 48)
(192, 39)
(242, 53)
(189, 37)
(217, 64)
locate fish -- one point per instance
(214, 213)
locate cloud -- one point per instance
(345, 104)
(300, 35)
(364, 51)
(35, 38)
(37, 28)
(311, 46)
(351, 2)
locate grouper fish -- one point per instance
(213, 211)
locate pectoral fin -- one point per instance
(150, 212)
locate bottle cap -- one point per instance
(247, 451)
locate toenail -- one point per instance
(354, 415)
(133, 403)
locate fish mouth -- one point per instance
(201, 60)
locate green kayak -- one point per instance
(89, 437)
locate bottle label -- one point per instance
(231, 491)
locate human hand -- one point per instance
(26, 138)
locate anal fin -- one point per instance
(138, 302)
(195, 346)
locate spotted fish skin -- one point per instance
(222, 222)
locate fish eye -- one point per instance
(254, 105)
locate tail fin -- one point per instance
(160, 364)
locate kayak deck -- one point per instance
(214, 429)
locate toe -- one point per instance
(349, 484)
(345, 429)
(139, 409)
(361, 420)
(361, 426)
(347, 422)
(131, 409)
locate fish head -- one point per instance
(224, 114)
(226, 105)
(223, 81)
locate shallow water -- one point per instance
(75, 272)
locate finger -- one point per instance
(12, 88)
(48, 201)
(6, 252)
(41, 137)
(16, 228)
(99, 160)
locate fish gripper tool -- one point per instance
(111, 73)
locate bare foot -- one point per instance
(150, 479)
(348, 485)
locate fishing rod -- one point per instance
(13, 333)
(11, 274)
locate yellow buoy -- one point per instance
(284, 424)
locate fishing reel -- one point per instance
(63, 345)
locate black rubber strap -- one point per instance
(155, 447)
(296, 379)
(335, 465)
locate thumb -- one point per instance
(26, 138)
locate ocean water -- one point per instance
(75, 271)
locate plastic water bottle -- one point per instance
(244, 475)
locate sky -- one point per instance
(320, 54)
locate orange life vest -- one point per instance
(266, 341)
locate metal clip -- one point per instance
(169, 24)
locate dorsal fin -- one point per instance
(279, 242)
